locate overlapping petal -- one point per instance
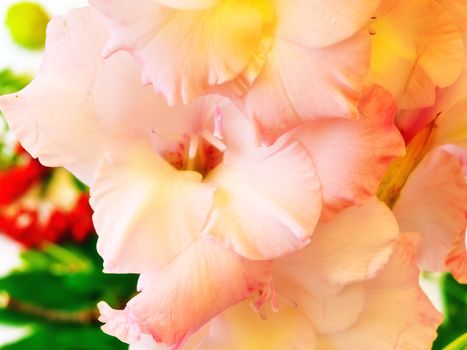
(126, 109)
(183, 52)
(300, 83)
(397, 314)
(433, 203)
(336, 258)
(422, 42)
(146, 211)
(351, 157)
(205, 279)
(452, 126)
(326, 22)
(341, 256)
(332, 317)
(267, 202)
(251, 52)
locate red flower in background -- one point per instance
(32, 225)
(16, 181)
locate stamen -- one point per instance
(192, 151)
(218, 124)
(213, 140)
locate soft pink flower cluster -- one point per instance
(278, 174)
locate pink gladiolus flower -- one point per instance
(282, 61)
(178, 192)
(433, 202)
(331, 294)
(167, 174)
(249, 211)
(433, 198)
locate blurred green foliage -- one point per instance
(55, 293)
(455, 322)
(458, 344)
(27, 22)
(11, 82)
(62, 337)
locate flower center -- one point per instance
(201, 151)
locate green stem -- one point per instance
(75, 317)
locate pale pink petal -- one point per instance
(238, 134)
(178, 299)
(451, 126)
(189, 4)
(330, 308)
(184, 52)
(54, 114)
(240, 327)
(322, 23)
(352, 247)
(300, 83)
(146, 211)
(267, 202)
(433, 203)
(351, 157)
(125, 107)
(397, 314)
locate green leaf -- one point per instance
(458, 344)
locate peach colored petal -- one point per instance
(300, 83)
(433, 203)
(267, 202)
(341, 256)
(322, 23)
(178, 299)
(238, 133)
(185, 52)
(451, 126)
(128, 110)
(125, 107)
(240, 327)
(55, 113)
(351, 157)
(317, 278)
(387, 311)
(422, 43)
(397, 314)
(146, 211)
(330, 308)
(457, 9)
